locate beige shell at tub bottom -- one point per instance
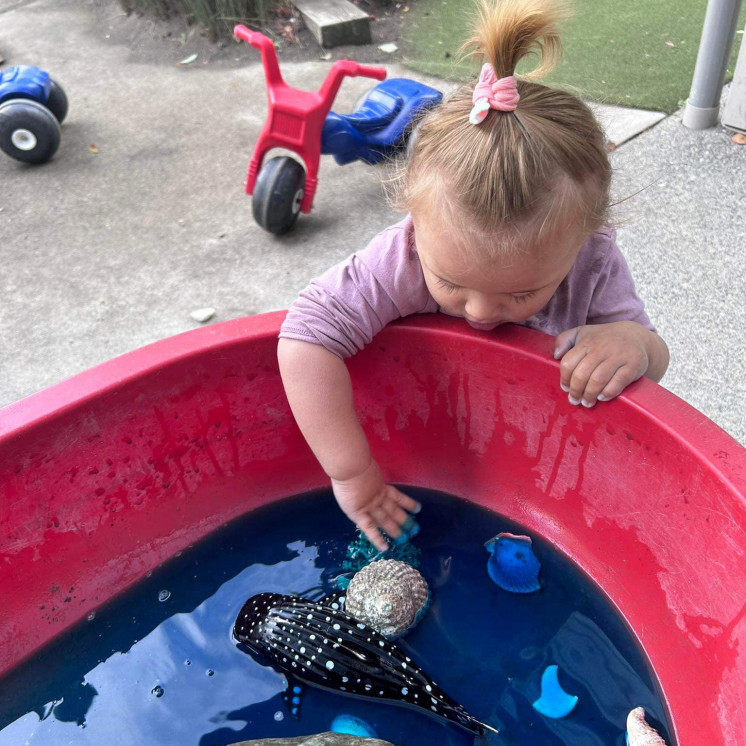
(388, 595)
(639, 732)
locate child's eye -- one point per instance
(448, 286)
(523, 298)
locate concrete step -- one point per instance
(335, 22)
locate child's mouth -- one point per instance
(482, 325)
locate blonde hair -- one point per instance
(528, 171)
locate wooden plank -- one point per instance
(335, 22)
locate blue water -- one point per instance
(158, 664)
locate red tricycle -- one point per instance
(302, 121)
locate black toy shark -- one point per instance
(321, 645)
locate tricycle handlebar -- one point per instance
(333, 79)
(254, 38)
(379, 73)
(264, 43)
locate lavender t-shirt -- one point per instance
(351, 302)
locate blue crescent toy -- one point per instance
(554, 701)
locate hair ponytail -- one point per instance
(505, 32)
(527, 169)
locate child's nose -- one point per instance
(481, 308)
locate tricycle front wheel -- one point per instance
(29, 132)
(278, 194)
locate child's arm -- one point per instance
(600, 360)
(319, 390)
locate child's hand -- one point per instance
(600, 360)
(372, 504)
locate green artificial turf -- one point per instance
(615, 51)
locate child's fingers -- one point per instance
(568, 366)
(406, 502)
(622, 378)
(397, 514)
(599, 378)
(368, 526)
(565, 342)
(581, 375)
(386, 522)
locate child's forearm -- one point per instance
(658, 357)
(319, 390)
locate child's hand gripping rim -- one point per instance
(600, 360)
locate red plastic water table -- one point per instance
(109, 473)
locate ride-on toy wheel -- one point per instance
(57, 101)
(278, 193)
(29, 132)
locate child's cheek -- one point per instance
(450, 303)
(539, 303)
(522, 311)
(447, 301)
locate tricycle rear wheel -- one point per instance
(278, 193)
(57, 101)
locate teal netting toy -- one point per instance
(360, 553)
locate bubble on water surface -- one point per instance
(157, 690)
(164, 595)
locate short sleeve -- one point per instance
(614, 297)
(350, 303)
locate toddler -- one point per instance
(507, 193)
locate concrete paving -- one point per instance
(102, 252)
(684, 236)
(622, 124)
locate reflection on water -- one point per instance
(159, 665)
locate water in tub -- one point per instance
(159, 664)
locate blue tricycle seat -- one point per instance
(379, 124)
(25, 81)
(378, 109)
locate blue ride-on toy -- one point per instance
(32, 107)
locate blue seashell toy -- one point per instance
(512, 564)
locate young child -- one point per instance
(507, 190)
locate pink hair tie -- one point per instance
(492, 92)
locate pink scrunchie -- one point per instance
(492, 92)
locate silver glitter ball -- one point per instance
(388, 595)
